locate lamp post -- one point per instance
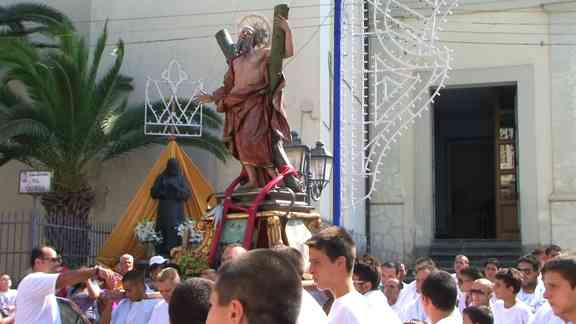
(314, 164)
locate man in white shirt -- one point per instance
(36, 300)
(460, 263)
(438, 296)
(532, 292)
(134, 309)
(545, 315)
(560, 280)
(166, 281)
(509, 310)
(392, 289)
(332, 254)
(414, 311)
(7, 295)
(366, 279)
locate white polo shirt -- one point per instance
(36, 299)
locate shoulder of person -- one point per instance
(34, 277)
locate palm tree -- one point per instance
(56, 114)
(33, 19)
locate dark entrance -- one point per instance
(467, 127)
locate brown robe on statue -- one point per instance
(250, 122)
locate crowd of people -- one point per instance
(326, 284)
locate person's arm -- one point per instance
(288, 40)
(93, 289)
(73, 277)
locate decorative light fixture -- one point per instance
(314, 164)
(320, 170)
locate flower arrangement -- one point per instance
(188, 229)
(192, 265)
(145, 232)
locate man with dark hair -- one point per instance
(477, 315)
(389, 270)
(310, 310)
(261, 286)
(409, 293)
(532, 292)
(7, 295)
(36, 299)
(439, 296)
(540, 254)
(552, 251)
(135, 308)
(190, 301)
(491, 267)
(510, 310)
(366, 280)
(560, 281)
(332, 255)
(414, 311)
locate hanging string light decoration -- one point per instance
(388, 85)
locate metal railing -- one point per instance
(20, 231)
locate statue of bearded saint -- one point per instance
(255, 127)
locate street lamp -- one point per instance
(314, 164)
(320, 170)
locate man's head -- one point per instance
(392, 289)
(460, 262)
(423, 269)
(477, 315)
(294, 256)
(45, 259)
(190, 302)
(155, 265)
(231, 252)
(467, 278)
(530, 268)
(133, 282)
(491, 267)
(552, 251)
(5, 282)
(439, 293)
(261, 286)
(559, 276)
(508, 283)
(167, 280)
(332, 255)
(366, 275)
(125, 264)
(481, 292)
(389, 270)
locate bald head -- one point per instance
(232, 252)
(481, 292)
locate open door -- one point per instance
(507, 224)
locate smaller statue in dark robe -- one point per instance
(172, 190)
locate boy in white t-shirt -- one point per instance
(559, 276)
(509, 310)
(366, 279)
(439, 295)
(332, 254)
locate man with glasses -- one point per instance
(532, 292)
(36, 300)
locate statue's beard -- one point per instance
(245, 45)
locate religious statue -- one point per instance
(172, 190)
(256, 126)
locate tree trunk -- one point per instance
(68, 228)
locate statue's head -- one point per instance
(253, 32)
(172, 167)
